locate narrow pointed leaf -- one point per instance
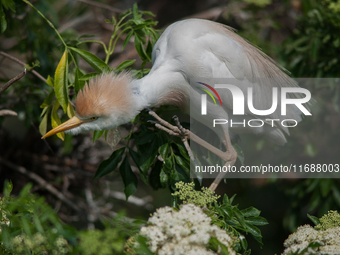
(129, 178)
(314, 219)
(48, 100)
(98, 64)
(88, 76)
(60, 82)
(70, 110)
(3, 21)
(43, 123)
(251, 212)
(110, 164)
(97, 134)
(50, 81)
(257, 221)
(125, 64)
(127, 39)
(78, 84)
(136, 158)
(55, 120)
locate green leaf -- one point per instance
(78, 84)
(134, 155)
(43, 123)
(97, 134)
(164, 178)
(239, 217)
(135, 11)
(218, 246)
(98, 64)
(55, 120)
(164, 151)
(143, 247)
(50, 81)
(258, 221)
(314, 219)
(148, 157)
(243, 242)
(183, 151)
(125, 64)
(255, 232)
(88, 76)
(60, 85)
(3, 21)
(250, 212)
(8, 4)
(70, 110)
(110, 164)
(48, 100)
(127, 39)
(180, 161)
(129, 178)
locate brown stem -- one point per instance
(104, 6)
(23, 64)
(11, 81)
(42, 183)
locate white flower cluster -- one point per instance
(300, 241)
(184, 232)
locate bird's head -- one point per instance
(106, 102)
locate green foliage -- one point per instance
(110, 240)
(186, 192)
(29, 225)
(165, 155)
(330, 220)
(225, 215)
(136, 25)
(314, 48)
(5, 5)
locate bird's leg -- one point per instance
(185, 139)
(232, 156)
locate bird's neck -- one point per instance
(162, 87)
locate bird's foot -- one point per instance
(166, 126)
(177, 130)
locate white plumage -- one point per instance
(188, 50)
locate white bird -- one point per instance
(187, 50)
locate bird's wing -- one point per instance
(227, 55)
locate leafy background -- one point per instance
(303, 36)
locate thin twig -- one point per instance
(144, 202)
(42, 183)
(104, 6)
(8, 112)
(23, 64)
(11, 81)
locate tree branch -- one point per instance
(23, 64)
(11, 81)
(104, 6)
(42, 183)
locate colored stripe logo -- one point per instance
(208, 92)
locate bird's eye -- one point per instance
(94, 118)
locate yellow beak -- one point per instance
(71, 123)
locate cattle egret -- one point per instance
(186, 50)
